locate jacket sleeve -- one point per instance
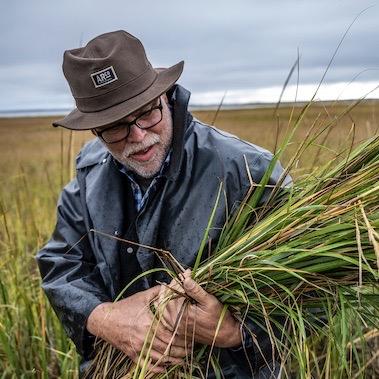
(70, 276)
(257, 350)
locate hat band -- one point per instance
(117, 95)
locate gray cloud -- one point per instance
(226, 45)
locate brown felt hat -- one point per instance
(111, 78)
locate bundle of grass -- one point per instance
(313, 261)
(305, 264)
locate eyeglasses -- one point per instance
(121, 130)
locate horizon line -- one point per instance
(62, 111)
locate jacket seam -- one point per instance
(259, 155)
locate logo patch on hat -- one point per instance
(103, 77)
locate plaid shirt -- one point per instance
(140, 198)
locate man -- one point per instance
(150, 177)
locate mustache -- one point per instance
(149, 140)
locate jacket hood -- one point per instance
(178, 98)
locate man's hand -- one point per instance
(199, 319)
(126, 324)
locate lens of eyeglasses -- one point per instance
(117, 133)
(145, 121)
(149, 119)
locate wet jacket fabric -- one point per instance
(82, 268)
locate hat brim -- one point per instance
(77, 120)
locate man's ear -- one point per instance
(165, 99)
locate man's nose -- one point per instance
(136, 134)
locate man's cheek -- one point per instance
(117, 149)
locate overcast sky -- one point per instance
(245, 47)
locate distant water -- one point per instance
(33, 113)
(63, 112)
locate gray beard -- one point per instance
(149, 169)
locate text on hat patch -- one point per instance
(103, 77)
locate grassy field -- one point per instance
(37, 159)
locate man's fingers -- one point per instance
(152, 293)
(174, 313)
(176, 285)
(177, 345)
(176, 351)
(164, 359)
(155, 369)
(195, 291)
(151, 367)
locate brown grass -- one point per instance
(33, 141)
(34, 160)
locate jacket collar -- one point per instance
(93, 153)
(178, 97)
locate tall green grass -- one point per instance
(32, 341)
(36, 161)
(307, 257)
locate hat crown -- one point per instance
(110, 78)
(108, 62)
